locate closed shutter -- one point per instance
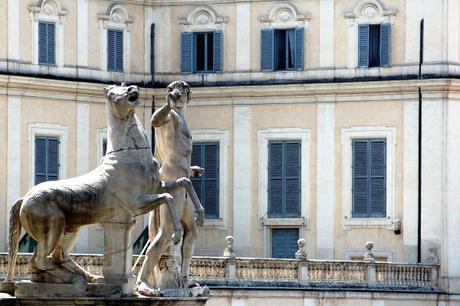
(266, 52)
(378, 178)
(218, 42)
(110, 50)
(292, 179)
(385, 45)
(299, 48)
(119, 50)
(42, 46)
(360, 179)
(275, 179)
(363, 45)
(186, 52)
(40, 160)
(196, 160)
(46, 43)
(53, 158)
(284, 242)
(51, 31)
(46, 159)
(114, 50)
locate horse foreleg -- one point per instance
(186, 183)
(148, 202)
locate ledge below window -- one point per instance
(214, 223)
(382, 223)
(283, 221)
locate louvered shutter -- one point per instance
(292, 179)
(196, 160)
(42, 43)
(378, 178)
(119, 50)
(53, 158)
(385, 45)
(110, 50)
(51, 42)
(218, 51)
(186, 52)
(360, 179)
(211, 164)
(266, 52)
(284, 243)
(363, 45)
(299, 48)
(40, 160)
(275, 179)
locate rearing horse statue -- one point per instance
(125, 183)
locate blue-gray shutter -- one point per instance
(363, 45)
(378, 178)
(275, 179)
(104, 146)
(119, 50)
(42, 43)
(292, 179)
(299, 48)
(385, 45)
(51, 37)
(196, 160)
(266, 50)
(110, 50)
(211, 175)
(360, 178)
(53, 159)
(284, 242)
(186, 52)
(218, 48)
(40, 160)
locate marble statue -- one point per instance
(124, 184)
(173, 149)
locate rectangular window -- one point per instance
(369, 178)
(46, 43)
(201, 52)
(46, 159)
(284, 179)
(284, 242)
(282, 49)
(114, 50)
(104, 146)
(374, 45)
(206, 155)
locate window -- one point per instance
(46, 159)
(104, 146)
(369, 178)
(284, 179)
(282, 49)
(374, 45)
(46, 43)
(284, 242)
(201, 52)
(114, 50)
(206, 155)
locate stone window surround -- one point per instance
(48, 129)
(48, 11)
(222, 137)
(284, 16)
(263, 137)
(367, 132)
(203, 19)
(365, 12)
(117, 18)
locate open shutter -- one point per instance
(275, 179)
(51, 36)
(42, 45)
(385, 45)
(284, 242)
(292, 179)
(186, 52)
(378, 178)
(363, 45)
(110, 50)
(218, 42)
(119, 50)
(211, 174)
(299, 48)
(266, 52)
(40, 160)
(360, 179)
(53, 158)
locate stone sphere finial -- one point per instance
(302, 251)
(368, 256)
(229, 251)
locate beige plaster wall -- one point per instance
(25, 26)
(3, 167)
(4, 29)
(70, 32)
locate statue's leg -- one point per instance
(190, 237)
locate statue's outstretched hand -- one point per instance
(196, 171)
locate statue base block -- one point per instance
(29, 289)
(202, 291)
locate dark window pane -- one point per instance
(210, 49)
(200, 51)
(374, 45)
(280, 49)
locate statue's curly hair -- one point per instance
(184, 85)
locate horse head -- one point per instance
(122, 100)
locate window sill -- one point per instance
(283, 221)
(214, 223)
(379, 223)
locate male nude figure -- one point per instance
(173, 149)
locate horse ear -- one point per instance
(107, 88)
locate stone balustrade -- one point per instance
(268, 272)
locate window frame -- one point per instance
(368, 132)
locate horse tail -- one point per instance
(15, 231)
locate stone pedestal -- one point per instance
(118, 254)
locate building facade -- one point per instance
(305, 115)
